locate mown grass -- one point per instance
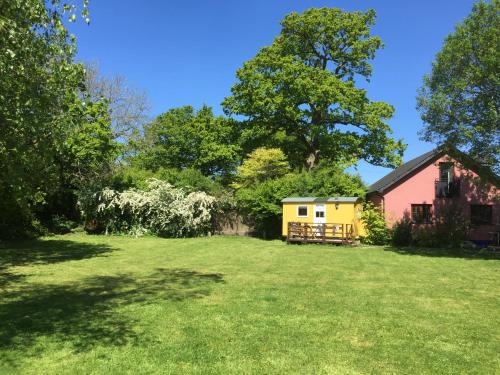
(81, 304)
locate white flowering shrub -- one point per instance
(160, 209)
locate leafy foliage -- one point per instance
(401, 232)
(450, 229)
(88, 148)
(300, 93)
(260, 165)
(459, 101)
(374, 222)
(182, 138)
(39, 84)
(160, 209)
(126, 177)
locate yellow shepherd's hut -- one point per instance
(332, 219)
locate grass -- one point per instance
(81, 304)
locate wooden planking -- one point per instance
(320, 233)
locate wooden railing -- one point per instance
(327, 233)
(447, 189)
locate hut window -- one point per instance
(302, 211)
(320, 213)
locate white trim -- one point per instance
(307, 209)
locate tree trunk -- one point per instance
(313, 146)
(313, 159)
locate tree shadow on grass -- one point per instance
(445, 253)
(92, 312)
(49, 251)
(33, 252)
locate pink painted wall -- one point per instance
(419, 188)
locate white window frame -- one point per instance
(307, 210)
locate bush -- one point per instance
(401, 232)
(425, 236)
(449, 230)
(161, 209)
(374, 221)
(452, 228)
(61, 225)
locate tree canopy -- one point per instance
(459, 100)
(300, 93)
(260, 165)
(185, 138)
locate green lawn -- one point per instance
(81, 304)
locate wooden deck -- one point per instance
(320, 233)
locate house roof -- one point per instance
(320, 200)
(409, 167)
(402, 171)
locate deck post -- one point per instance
(298, 232)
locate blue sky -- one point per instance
(187, 52)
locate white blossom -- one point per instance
(160, 209)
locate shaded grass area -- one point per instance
(92, 304)
(486, 253)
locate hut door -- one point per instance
(319, 214)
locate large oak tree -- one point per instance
(301, 94)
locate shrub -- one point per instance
(425, 236)
(450, 229)
(374, 221)
(160, 209)
(61, 225)
(401, 232)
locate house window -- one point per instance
(481, 214)
(421, 213)
(445, 172)
(302, 211)
(320, 213)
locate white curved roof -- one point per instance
(321, 200)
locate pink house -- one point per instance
(421, 188)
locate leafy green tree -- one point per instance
(39, 82)
(262, 164)
(301, 91)
(84, 153)
(459, 101)
(182, 138)
(88, 149)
